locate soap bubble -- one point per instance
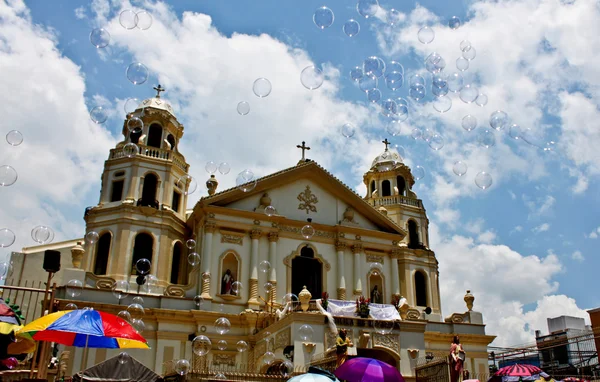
(182, 367)
(418, 173)
(131, 105)
(236, 287)
(130, 150)
(193, 259)
(498, 120)
(211, 167)
(71, 306)
(190, 243)
(442, 104)
(14, 138)
(222, 325)
(455, 82)
(74, 288)
(469, 54)
(306, 333)
(289, 299)
(375, 268)
(286, 368)
(394, 80)
(307, 231)
(389, 107)
(243, 108)
(135, 123)
(367, 82)
(137, 73)
(351, 28)
(7, 238)
(436, 142)
(454, 22)
(120, 289)
(92, 237)
(465, 45)
(357, 73)
(481, 100)
(222, 345)
(373, 66)
(323, 17)
(198, 300)
(367, 8)
(206, 276)
(201, 345)
(123, 358)
(462, 64)
(42, 234)
(8, 175)
(483, 180)
(135, 310)
(100, 38)
(469, 122)
(138, 300)
(143, 20)
(427, 134)
(138, 324)
(264, 266)
(486, 137)
(393, 127)
(459, 168)
(468, 93)
(187, 184)
(242, 346)
(311, 77)
(374, 95)
(417, 92)
(127, 19)
(383, 327)
(348, 130)
(394, 17)
(515, 131)
(245, 181)
(99, 114)
(426, 35)
(416, 133)
(224, 168)
(142, 266)
(268, 358)
(268, 287)
(434, 63)
(270, 210)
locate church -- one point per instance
(243, 253)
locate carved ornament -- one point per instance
(273, 236)
(340, 246)
(297, 230)
(174, 291)
(387, 341)
(210, 226)
(257, 222)
(413, 353)
(255, 234)
(307, 201)
(260, 348)
(413, 314)
(211, 215)
(395, 253)
(375, 259)
(105, 283)
(224, 359)
(232, 239)
(282, 339)
(357, 248)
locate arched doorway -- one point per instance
(102, 252)
(307, 270)
(154, 136)
(149, 190)
(386, 188)
(179, 272)
(413, 235)
(420, 289)
(142, 249)
(401, 185)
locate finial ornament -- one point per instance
(386, 142)
(158, 90)
(303, 147)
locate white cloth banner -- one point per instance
(342, 308)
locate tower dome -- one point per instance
(387, 160)
(157, 102)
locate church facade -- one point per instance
(241, 253)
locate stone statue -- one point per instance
(226, 282)
(376, 295)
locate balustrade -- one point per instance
(156, 153)
(396, 199)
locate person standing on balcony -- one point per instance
(457, 359)
(342, 344)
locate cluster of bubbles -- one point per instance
(8, 174)
(100, 37)
(211, 168)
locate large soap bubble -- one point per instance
(120, 289)
(469, 122)
(311, 77)
(127, 19)
(262, 87)
(42, 234)
(454, 22)
(222, 325)
(348, 130)
(242, 346)
(74, 288)
(367, 8)
(351, 28)
(306, 333)
(243, 108)
(499, 120)
(137, 73)
(486, 137)
(426, 35)
(7, 238)
(459, 168)
(187, 184)
(143, 266)
(442, 103)
(418, 173)
(99, 114)
(374, 66)
(8, 175)
(182, 367)
(143, 20)
(14, 138)
(323, 17)
(245, 181)
(100, 38)
(194, 259)
(483, 180)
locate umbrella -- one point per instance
(361, 369)
(85, 328)
(315, 374)
(518, 370)
(10, 323)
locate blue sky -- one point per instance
(523, 246)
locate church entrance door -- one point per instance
(307, 270)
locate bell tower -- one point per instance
(389, 190)
(142, 208)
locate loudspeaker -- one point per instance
(428, 310)
(51, 261)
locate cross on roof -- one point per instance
(386, 142)
(158, 90)
(303, 147)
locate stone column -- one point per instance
(209, 229)
(357, 249)
(133, 182)
(253, 302)
(273, 239)
(394, 256)
(340, 247)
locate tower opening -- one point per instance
(134, 135)
(179, 272)
(171, 140)
(386, 188)
(373, 188)
(413, 235)
(142, 249)
(149, 190)
(420, 289)
(401, 185)
(102, 252)
(154, 136)
(307, 270)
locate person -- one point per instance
(375, 295)
(342, 343)
(226, 282)
(457, 359)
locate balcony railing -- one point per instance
(148, 203)
(396, 199)
(156, 153)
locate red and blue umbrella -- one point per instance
(361, 369)
(85, 328)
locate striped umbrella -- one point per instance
(518, 370)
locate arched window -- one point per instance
(376, 288)
(135, 135)
(179, 271)
(229, 272)
(413, 235)
(307, 252)
(142, 249)
(149, 190)
(154, 136)
(373, 188)
(401, 185)
(102, 252)
(171, 140)
(420, 289)
(307, 270)
(386, 188)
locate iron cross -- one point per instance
(158, 90)
(303, 147)
(386, 142)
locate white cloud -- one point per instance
(541, 228)
(487, 237)
(593, 234)
(516, 229)
(577, 256)
(80, 13)
(447, 216)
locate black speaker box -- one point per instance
(51, 261)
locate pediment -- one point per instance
(306, 191)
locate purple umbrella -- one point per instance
(368, 370)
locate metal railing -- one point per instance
(28, 295)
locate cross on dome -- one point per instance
(158, 90)
(303, 147)
(386, 142)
